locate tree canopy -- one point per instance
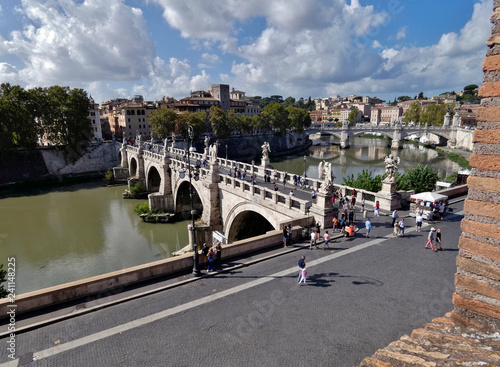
(58, 114)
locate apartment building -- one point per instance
(133, 118)
(95, 120)
(386, 115)
(221, 93)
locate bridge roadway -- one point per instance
(360, 295)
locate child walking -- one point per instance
(303, 275)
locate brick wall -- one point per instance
(477, 295)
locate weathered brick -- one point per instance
(486, 136)
(405, 358)
(486, 162)
(484, 184)
(475, 247)
(372, 362)
(443, 320)
(489, 89)
(482, 209)
(494, 39)
(491, 63)
(415, 349)
(478, 268)
(476, 285)
(477, 306)
(490, 114)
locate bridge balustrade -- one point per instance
(281, 199)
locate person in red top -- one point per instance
(326, 237)
(377, 209)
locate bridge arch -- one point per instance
(182, 200)
(153, 180)
(247, 212)
(133, 167)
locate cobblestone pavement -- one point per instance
(361, 294)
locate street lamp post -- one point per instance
(305, 160)
(226, 153)
(196, 270)
(253, 171)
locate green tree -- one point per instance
(64, 116)
(364, 181)
(277, 116)
(289, 101)
(299, 118)
(162, 122)
(353, 116)
(413, 113)
(404, 98)
(433, 114)
(421, 95)
(219, 122)
(419, 179)
(18, 124)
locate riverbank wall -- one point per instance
(49, 162)
(105, 284)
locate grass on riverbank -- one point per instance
(457, 158)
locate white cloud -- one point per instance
(80, 42)
(401, 33)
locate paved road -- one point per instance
(360, 295)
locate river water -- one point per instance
(77, 231)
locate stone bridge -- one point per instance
(397, 132)
(227, 204)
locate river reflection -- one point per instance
(62, 236)
(364, 153)
(85, 230)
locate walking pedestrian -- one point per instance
(362, 205)
(210, 266)
(419, 219)
(442, 209)
(402, 227)
(326, 238)
(285, 236)
(394, 217)
(438, 239)
(313, 195)
(275, 176)
(430, 239)
(302, 265)
(204, 251)
(289, 235)
(314, 237)
(303, 275)
(395, 231)
(377, 208)
(368, 226)
(335, 223)
(218, 255)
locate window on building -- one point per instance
(132, 112)
(128, 120)
(93, 121)
(130, 127)
(128, 112)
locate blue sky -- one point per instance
(298, 48)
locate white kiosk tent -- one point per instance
(427, 202)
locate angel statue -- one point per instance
(327, 184)
(138, 139)
(207, 141)
(391, 167)
(266, 148)
(213, 152)
(321, 170)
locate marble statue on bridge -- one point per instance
(266, 148)
(213, 150)
(138, 139)
(327, 183)
(391, 167)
